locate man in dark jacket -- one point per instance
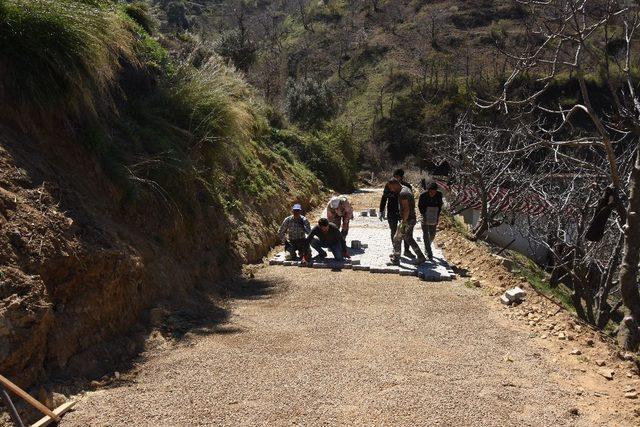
(407, 206)
(430, 206)
(327, 235)
(389, 204)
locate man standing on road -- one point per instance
(327, 235)
(407, 207)
(430, 206)
(389, 203)
(340, 213)
(293, 232)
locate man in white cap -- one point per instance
(340, 212)
(293, 233)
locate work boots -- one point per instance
(394, 259)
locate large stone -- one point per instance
(516, 294)
(607, 373)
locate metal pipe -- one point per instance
(12, 409)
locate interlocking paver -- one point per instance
(373, 256)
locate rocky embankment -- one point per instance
(78, 271)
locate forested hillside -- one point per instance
(368, 66)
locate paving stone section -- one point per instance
(370, 242)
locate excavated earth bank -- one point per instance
(78, 271)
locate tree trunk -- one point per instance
(630, 259)
(483, 223)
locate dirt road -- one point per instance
(315, 347)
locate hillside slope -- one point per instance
(384, 62)
(126, 179)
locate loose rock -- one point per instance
(607, 373)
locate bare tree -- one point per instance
(488, 176)
(574, 37)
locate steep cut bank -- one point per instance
(126, 178)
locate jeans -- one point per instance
(299, 245)
(407, 238)
(393, 225)
(337, 221)
(336, 249)
(428, 234)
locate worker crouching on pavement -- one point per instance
(408, 219)
(340, 213)
(293, 233)
(327, 235)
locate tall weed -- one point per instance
(61, 54)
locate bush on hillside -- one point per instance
(309, 103)
(139, 12)
(239, 50)
(331, 154)
(177, 15)
(422, 111)
(213, 102)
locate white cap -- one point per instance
(334, 202)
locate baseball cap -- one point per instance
(296, 207)
(335, 202)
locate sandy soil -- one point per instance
(311, 347)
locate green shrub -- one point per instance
(309, 102)
(236, 48)
(61, 54)
(331, 154)
(139, 12)
(213, 103)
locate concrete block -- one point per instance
(505, 300)
(515, 294)
(408, 273)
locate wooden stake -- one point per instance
(58, 411)
(30, 400)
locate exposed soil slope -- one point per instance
(78, 268)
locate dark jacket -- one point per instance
(389, 202)
(426, 201)
(330, 238)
